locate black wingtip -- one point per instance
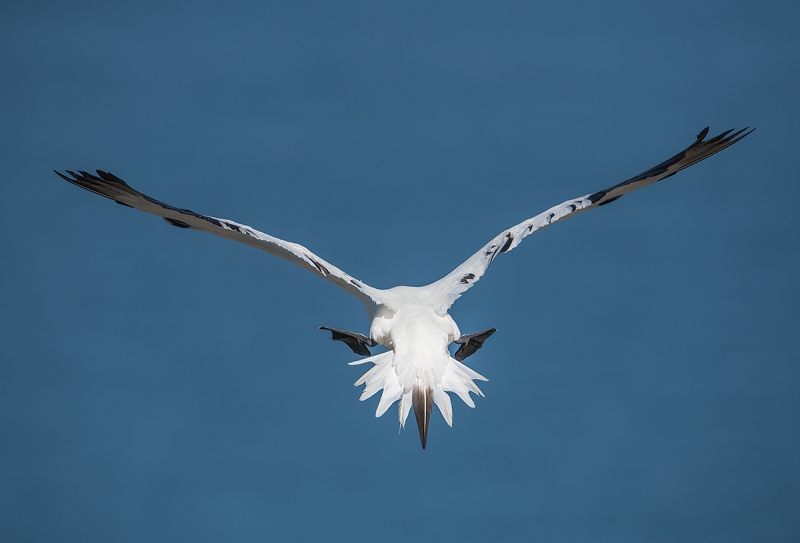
(89, 175)
(729, 136)
(62, 176)
(746, 131)
(173, 222)
(722, 136)
(110, 177)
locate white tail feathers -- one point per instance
(442, 400)
(404, 408)
(456, 377)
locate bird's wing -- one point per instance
(448, 289)
(114, 188)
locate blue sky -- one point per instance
(164, 385)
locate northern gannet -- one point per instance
(412, 323)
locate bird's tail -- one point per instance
(380, 376)
(419, 393)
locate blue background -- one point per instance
(164, 385)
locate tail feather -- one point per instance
(379, 360)
(380, 377)
(442, 400)
(423, 394)
(467, 376)
(391, 393)
(376, 359)
(404, 407)
(455, 381)
(468, 372)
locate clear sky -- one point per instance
(164, 385)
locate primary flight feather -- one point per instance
(412, 323)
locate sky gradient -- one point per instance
(158, 384)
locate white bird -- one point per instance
(412, 323)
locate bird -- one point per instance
(413, 324)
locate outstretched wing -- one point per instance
(450, 287)
(114, 188)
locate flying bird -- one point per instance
(411, 323)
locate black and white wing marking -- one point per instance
(114, 188)
(450, 287)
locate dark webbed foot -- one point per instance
(470, 343)
(357, 342)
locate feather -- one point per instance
(404, 408)
(376, 359)
(442, 400)
(375, 382)
(411, 322)
(391, 393)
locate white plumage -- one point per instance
(412, 323)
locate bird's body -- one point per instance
(422, 369)
(412, 323)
